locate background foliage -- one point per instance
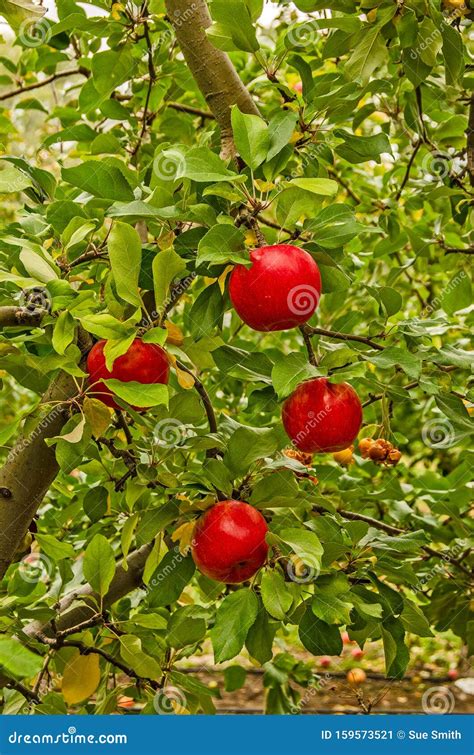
(120, 216)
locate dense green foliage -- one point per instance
(121, 215)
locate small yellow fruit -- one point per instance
(356, 676)
(345, 457)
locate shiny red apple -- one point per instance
(357, 653)
(279, 291)
(321, 417)
(229, 542)
(325, 661)
(142, 363)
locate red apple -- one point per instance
(325, 661)
(229, 542)
(142, 363)
(357, 653)
(279, 291)
(320, 417)
(453, 674)
(346, 640)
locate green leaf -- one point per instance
(207, 312)
(99, 564)
(280, 130)
(17, 660)
(234, 678)
(305, 544)
(276, 596)
(140, 394)
(396, 652)
(247, 445)
(142, 663)
(125, 254)
(63, 333)
(368, 55)
(99, 179)
(234, 617)
(334, 226)
(414, 620)
(13, 180)
(360, 149)
(324, 187)
(221, 244)
(233, 26)
(110, 69)
(166, 266)
(395, 355)
(317, 636)
(259, 642)
(170, 578)
(453, 53)
(95, 503)
(289, 371)
(251, 137)
(201, 165)
(185, 627)
(331, 601)
(54, 548)
(18, 11)
(457, 294)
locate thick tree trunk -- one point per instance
(29, 470)
(212, 69)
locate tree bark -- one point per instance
(211, 68)
(18, 316)
(29, 470)
(70, 616)
(470, 142)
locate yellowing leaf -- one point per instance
(81, 678)
(175, 335)
(183, 535)
(250, 238)
(185, 380)
(97, 414)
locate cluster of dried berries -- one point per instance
(303, 458)
(380, 451)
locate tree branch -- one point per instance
(470, 141)
(19, 316)
(212, 69)
(343, 337)
(467, 250)
(211, 417)
(42, 83)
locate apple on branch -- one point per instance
(142, 363)
(229, 542)
(279, 291)
(322, 417)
